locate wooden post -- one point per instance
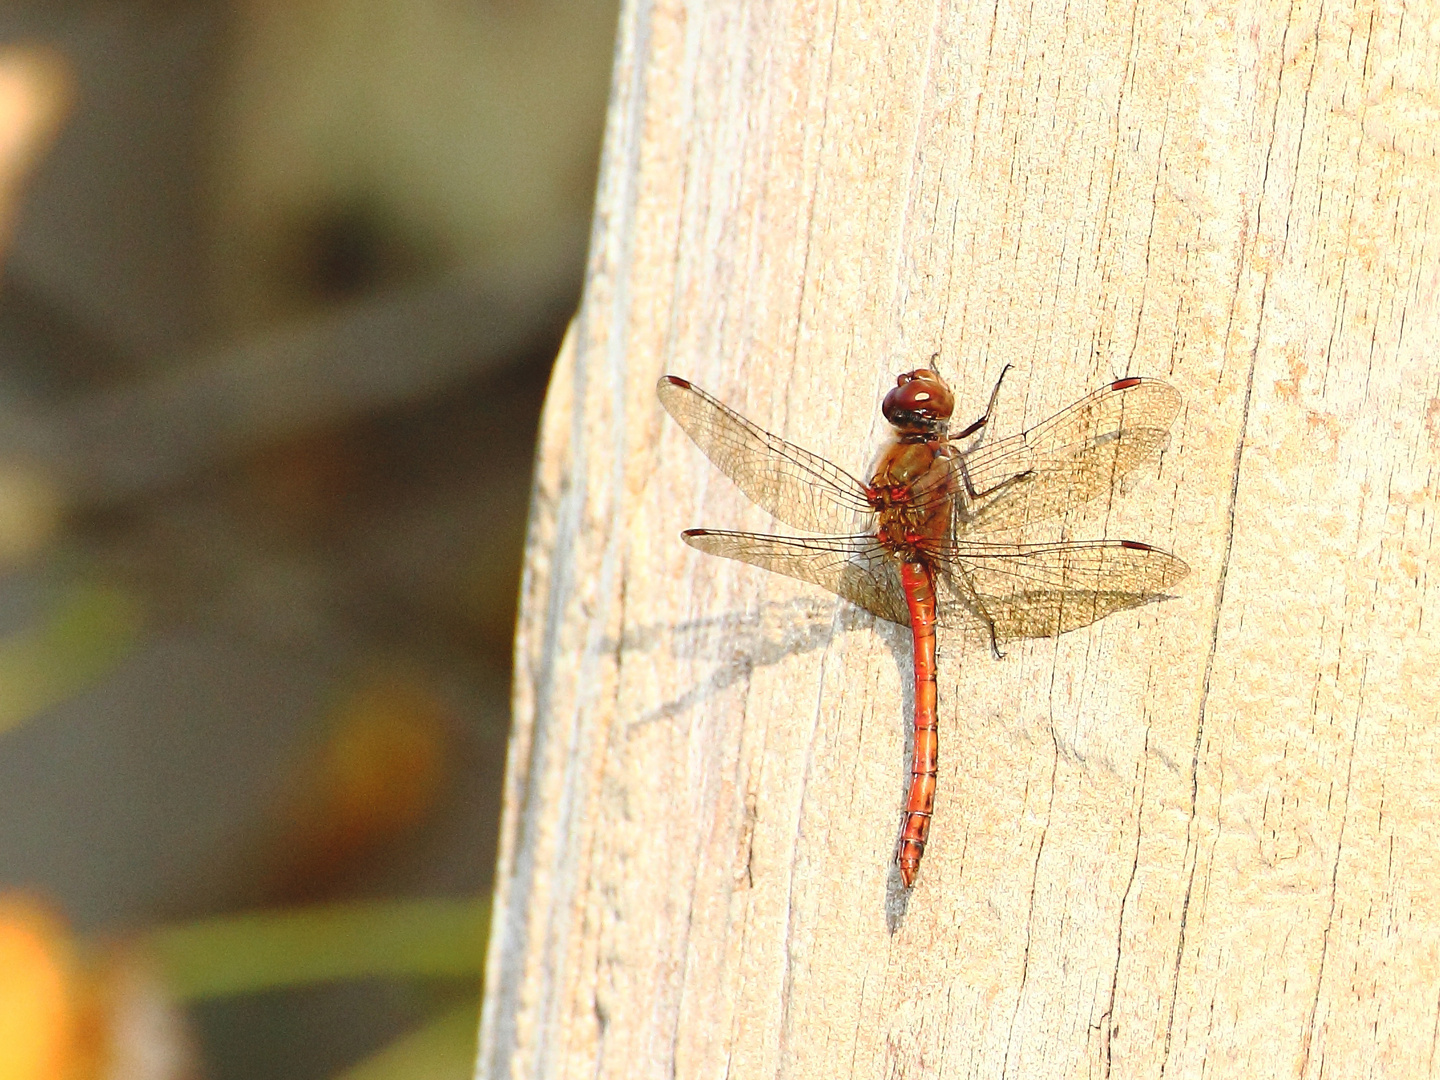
(1201, 838)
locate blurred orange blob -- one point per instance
(29, 512)
(36, 91)
(69, 1014)
(305, 484)
(377, 776)
(37, 1007)
(130, 1026)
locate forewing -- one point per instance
(1069, 459)
(854, 567)
(796, 486)
(1041, 590)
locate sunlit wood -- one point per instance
(1195, 839)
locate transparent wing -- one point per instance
(1041, 590)
(1069, 459)
(796, 486)
(854, 567)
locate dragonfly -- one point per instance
(936, 535)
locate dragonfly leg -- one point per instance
(979, 425)
(960, 585)
(993, 488)
(989, 628)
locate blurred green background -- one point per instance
(282, 283)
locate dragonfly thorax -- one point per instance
(912, 491)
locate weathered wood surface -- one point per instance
(1198, 839)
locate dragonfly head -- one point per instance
(919, 403)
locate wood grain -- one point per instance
(1197, 839)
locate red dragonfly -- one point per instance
(933, 537)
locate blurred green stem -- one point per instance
(443, 1049)
(271, 950)
(81, 637)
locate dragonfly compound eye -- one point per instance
(919, 401)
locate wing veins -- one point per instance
(796, 486)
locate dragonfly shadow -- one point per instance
(897, 900)
(738, 643)
(741, 642)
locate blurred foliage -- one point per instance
(441, 1050)
(74, 1010)
(355, 152)
(273, 949)
(83, 634)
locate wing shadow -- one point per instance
(739, 643)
